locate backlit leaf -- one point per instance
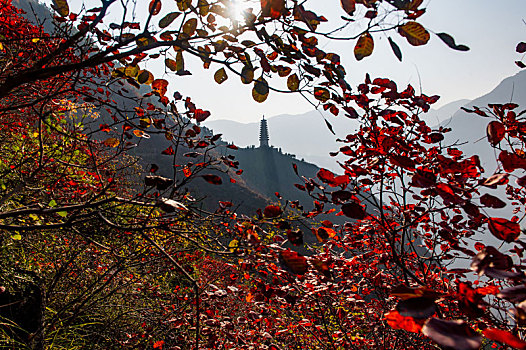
(131, 71)
(504, 229)
(62, 7)
(190, 26)
(160, 85)
(415, 33)
(260, 90)
(293, 82)
(170, 63)
(247, 75)
(354, 210)
(272, 8)
(495, 132)
(348, 6)
(322, 94)
(168, 19)
(220, 76)
(111, 142)
(154, 7)
(364, 46)
(397, 321)
(272, 211)
(297, 263)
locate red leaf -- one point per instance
(504, 337)
(354, 210)
(201, 115)
(504, 229)
(155, 7)
(212, 179)
(491, 201)
(272, 211)
(402, 161)
(158, 344)
(160, 85)
(521, 47)
(511, 161)
(169, 151)
(397, 321)
(295, 262)
(272, 8)
(521, 181)
(495, 132)
(348, 6)
(325, 175)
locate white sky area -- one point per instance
(490, 28)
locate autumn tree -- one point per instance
(151, 269)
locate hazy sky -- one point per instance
(490, 28)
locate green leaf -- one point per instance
(396, 49)
(448, 39)
(52, 204)
(16, 237)
(62, 213)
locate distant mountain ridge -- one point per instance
(306, 135)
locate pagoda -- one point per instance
(263, 133)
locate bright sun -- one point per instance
(238, 7)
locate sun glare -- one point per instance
(238, 7)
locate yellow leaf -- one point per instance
(111, 142)
(190, 26)
(415, 33)
(364, 47)
(247, 75)
(131, 71)
(293, 82)
(168, 19)
(171, 64)
(220, 76)
(62, 7)
(180, 61)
